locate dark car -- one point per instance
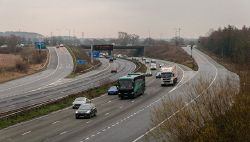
(113, 90)
(148, 74)
(86, 111)
(111, 59)
(158, 75)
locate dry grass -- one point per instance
(185, 119)
(25, 62)
(8, 60)
(172, 54)
(80, 53)
(10, 75)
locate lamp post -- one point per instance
(191, 47)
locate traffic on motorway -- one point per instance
(129, 86)
(99, 118)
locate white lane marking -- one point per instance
(30, 82)
(22, 123)
(26, 133)
(131, 115)
(88, 121)
(55, 122)
(19, 124)
(47, 86)
(121, 107)
(107, 113)
(63, 132)
(180, 81)
(109, 101)
(186, 105)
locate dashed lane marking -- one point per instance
(55, 122)
(26, 133)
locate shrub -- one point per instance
(21, 66)
(187, 119)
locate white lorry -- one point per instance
(169, 75)
(153, 66)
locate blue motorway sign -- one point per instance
(96, 54)
(40, 45)
(81, 62)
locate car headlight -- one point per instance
(76, 111)
(88, 111)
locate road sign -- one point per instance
(81, 62)
(103, 47)
(96, 54)
(40, 45)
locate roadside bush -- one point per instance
(21, 66)
(80, 53)
(33, 56)
(186, 119)
(38, 57)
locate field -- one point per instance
(8, 60)
(13, 66)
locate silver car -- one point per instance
(78, 101)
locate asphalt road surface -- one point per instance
(117, 120)
(59, 66)
(64, 87)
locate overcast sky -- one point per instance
(104, 18)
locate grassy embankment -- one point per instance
(19, 64)
(221, 113)
(59, 104)
(79, 53)
(171, 53)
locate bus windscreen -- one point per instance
(126, 84)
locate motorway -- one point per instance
(117, 120)
(65, 87)
(60, 64)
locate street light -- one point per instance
(191, 47)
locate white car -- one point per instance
(153, 66)
(78, 101)
(113, 70)
(148, 74)
(153, 61)
(61, 45)
(147, 61)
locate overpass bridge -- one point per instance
(139, 49)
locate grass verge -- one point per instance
(62, 103)
(24, 66)
(172, 54)
(55, 106)
(79, 53)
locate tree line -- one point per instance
(229, 43)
